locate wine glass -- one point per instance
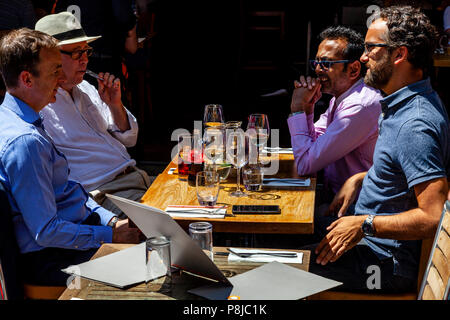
(213, 115)
(237, 154)
(213, 145)
(258, 130)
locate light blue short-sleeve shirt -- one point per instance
(413, 146)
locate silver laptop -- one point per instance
(270, 281)
(185, 253)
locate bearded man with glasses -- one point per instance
(91, 127)
(342, 141)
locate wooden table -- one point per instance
(92, 290)
(297, 205)
(441, 60)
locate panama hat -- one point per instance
(65, 27)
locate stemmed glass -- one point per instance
(213, 140)
(237, 154)
(258, 130)
(213, 115)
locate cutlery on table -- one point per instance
(275, 254)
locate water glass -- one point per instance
(253, 177)
(207, 187)
(201, 233)
(158, 258)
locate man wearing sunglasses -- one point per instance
(342, 141)
(403, 193)
(91, 127)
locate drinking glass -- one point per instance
(157, 258)
(237, 154)
(184, 155)
(201, 232)
(207, 187)
(213, 115)
(258, 131)
(252, 178)
(213, 146)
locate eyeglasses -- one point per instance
(325, 64)
(75, 55)
(369, 46)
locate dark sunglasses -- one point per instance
(325, 64)
(75, 55)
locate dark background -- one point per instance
(221, 52)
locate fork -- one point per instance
(275, 254)
(198, 211)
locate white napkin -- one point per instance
(265, 258)
(196, 211)
(277, 150)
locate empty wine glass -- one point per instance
(237, 154)
(213, 115)
(258, 131)
(213, 145)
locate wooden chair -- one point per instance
(11, 283)
(434, 270)
(435, 285)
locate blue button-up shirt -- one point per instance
(49, 209)
(413, 146)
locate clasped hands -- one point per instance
(306, 94)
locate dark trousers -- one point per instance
(357, 268)
(44, 267)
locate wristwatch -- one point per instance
(367, 227)
(113, 221)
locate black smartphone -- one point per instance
(255, 209)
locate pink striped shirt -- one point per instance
(342, 141)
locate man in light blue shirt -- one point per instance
(55, 222)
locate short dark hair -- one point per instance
(354, 39)
(409, 27)
(19, 51)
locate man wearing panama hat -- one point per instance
(91, 127)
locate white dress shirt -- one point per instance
(84, 130)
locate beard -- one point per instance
(379, 75)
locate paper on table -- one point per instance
(265, 258)
(271, 281)
(216, 212)
(289, 182)
(119, 269)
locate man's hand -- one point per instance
(344, 234)
(305, 95)
(346, 195)
(109, 90)
(123, 234)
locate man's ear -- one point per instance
(400, 55)
(26, 79)
(354, 69)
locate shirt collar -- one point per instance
(406, 93)
(23, 110)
